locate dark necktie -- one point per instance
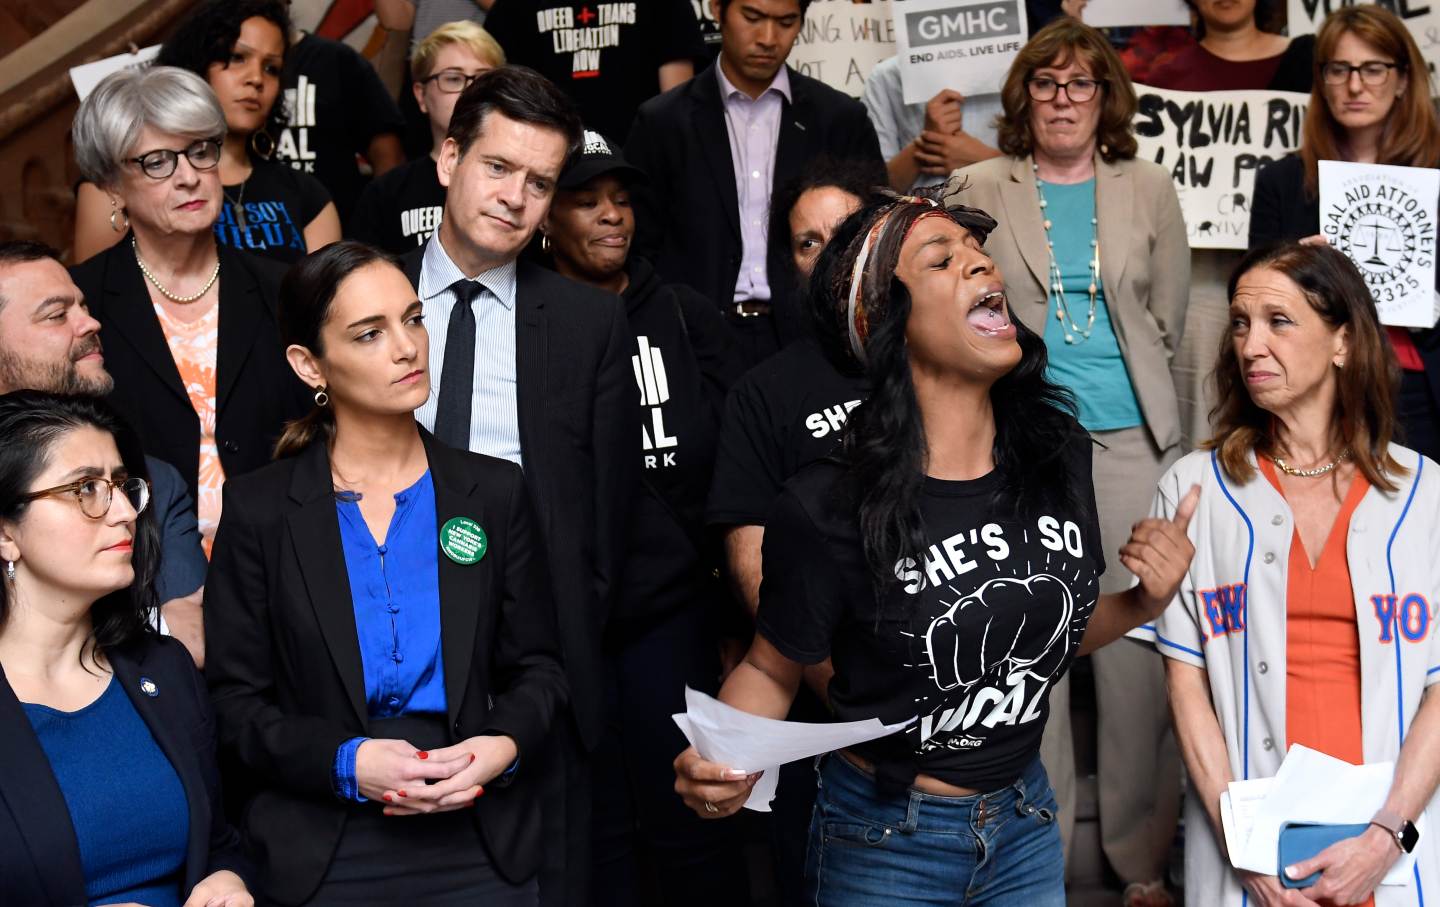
(457, 374)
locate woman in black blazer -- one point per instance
(188, 324)
(1384, 116)
(380, 625)
(110, 791)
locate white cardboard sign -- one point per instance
(967, 45)
(842, 41)
(86, 76)
(1422, 17)
(1213, 143)
(1111, 13)
(1383, 218)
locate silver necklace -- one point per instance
(237, 204)
(1073, 332)
(214, 275)
(1311, 473)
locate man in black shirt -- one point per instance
(338, 108)
(398, 211)
(609, 56)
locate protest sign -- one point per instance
(1422, 17)
(1213, 142)
(966, 45)
(841, 42)
(1383, 219)
(1113, 13)
(86, 76)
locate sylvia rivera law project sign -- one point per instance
(1383, 219)
(966, 45)
(1213, 142)
(842, 41)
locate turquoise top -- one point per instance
(1092, 368)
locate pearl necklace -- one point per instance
(1311, 473)
(1062, 308)
(214, 275)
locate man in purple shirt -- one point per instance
(717, 147)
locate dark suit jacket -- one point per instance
(255, 390)
(575, 392)
(688, 215)
(284, 665)
(1281, 211)
(39, 854)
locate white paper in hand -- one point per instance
(735, 739)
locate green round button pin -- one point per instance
(463, 541)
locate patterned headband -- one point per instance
(856, 318)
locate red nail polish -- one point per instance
(472, 757)
(401, 793)
(422, 755)
(386, 798)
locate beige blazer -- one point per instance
(1144, 265)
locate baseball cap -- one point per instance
(597, 156)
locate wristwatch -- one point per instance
(1402, 829)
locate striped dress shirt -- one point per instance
(494, 416)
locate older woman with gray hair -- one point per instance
(209, 394)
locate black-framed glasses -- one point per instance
(95, 493)
(160, 163)
(1043, 88)
(452, 81)
(1372, 72)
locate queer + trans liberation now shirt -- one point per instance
(399, 210)
(973, 632)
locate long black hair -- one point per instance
(209, 33)
(31, 424)
(883, 445)
(306, 295)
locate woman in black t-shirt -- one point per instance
(947, 563)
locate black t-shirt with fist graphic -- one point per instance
(973, 632)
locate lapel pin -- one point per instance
(149, 688)
(463, 541)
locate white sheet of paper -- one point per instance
(86, 76)
(1238, 806)
(736, 739)
(1110, 13)
(1352, 794)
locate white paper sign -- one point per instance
(1213, 142)
(967, 45)
(842, 41)
(1422, 17)
(88, 75)
(1110, 13)
(1383, 219)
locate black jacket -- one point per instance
(255, 390)
(284, 665)
(1281, 211)
(688, 215)
(575, 395)
(39, 854)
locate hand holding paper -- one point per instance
(724, 739)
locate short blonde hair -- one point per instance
(476, 39)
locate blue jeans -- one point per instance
(999, 849)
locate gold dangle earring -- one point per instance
(114, 210)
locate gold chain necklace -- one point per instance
(214, 275)
(1311, 473)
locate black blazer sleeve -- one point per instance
(289, 751)
(643, 150)
(1279, 210)
(528, 680)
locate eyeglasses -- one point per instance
(95, 494)
(1372, 72)
(1077, 90)
(160, 163)
(453, 81)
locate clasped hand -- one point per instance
(413, 782)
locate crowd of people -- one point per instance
(359, 544)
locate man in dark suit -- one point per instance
(535, 369)
(50, 342)
(717, 147)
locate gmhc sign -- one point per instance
(962, 23)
